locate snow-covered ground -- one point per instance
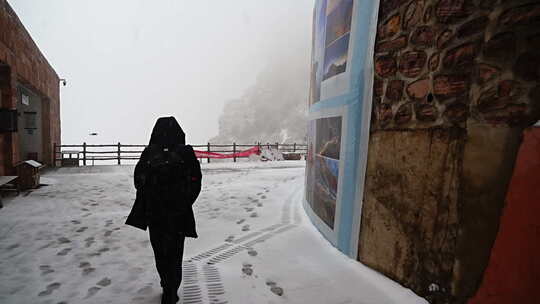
(67, 243)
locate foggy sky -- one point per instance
(128, 62)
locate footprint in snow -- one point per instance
(13, 246)
(274, 288)
(247, 269)
(277, 290)
(45, 269)
(254, 214)
(92, 291)
(245, 228)
(89, 241)
(82, 229)
(240, 221)
(104, 282)
(64, 252)
(64, 240)
(49, 289)
(145, 290)
(87, 271)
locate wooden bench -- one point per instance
(7, 184)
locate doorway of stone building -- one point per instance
(5, 103)
(30, 115)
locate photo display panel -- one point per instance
(322, 171)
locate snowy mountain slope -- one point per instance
(273, 109)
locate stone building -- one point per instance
(436, 183)
(30, 86)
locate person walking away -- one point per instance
(168, 181)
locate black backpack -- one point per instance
(168, 170)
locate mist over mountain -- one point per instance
(274, 108)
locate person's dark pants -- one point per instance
(168, 251)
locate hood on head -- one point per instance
(167, 132)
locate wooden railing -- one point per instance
(88, 154)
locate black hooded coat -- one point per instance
(165, 200)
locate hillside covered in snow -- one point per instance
(273, 109)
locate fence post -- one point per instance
(54, 154)
(259, 146)
(277, 146)
(119, 153)
(84, 153)
(208, 149)
(234, 151)
(294, 147)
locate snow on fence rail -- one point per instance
(88, 154)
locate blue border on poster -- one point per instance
(353, 100)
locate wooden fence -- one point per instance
(87, 154)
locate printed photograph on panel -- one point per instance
(318, 46)
(338, 28)
(326, 172)
(310, 162)
(338, 20)
(328, 137)
(335, 60)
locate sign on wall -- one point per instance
(330, 54)
(25, 100)
(323, 167)
(341, 85)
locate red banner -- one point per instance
(245, 153)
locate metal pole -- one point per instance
(84, 153)
(208, 149)
(119, 153)
(234, 151)
(294, 147)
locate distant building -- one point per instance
(29, 97)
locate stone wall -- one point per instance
(456, 83)
(23, 62)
